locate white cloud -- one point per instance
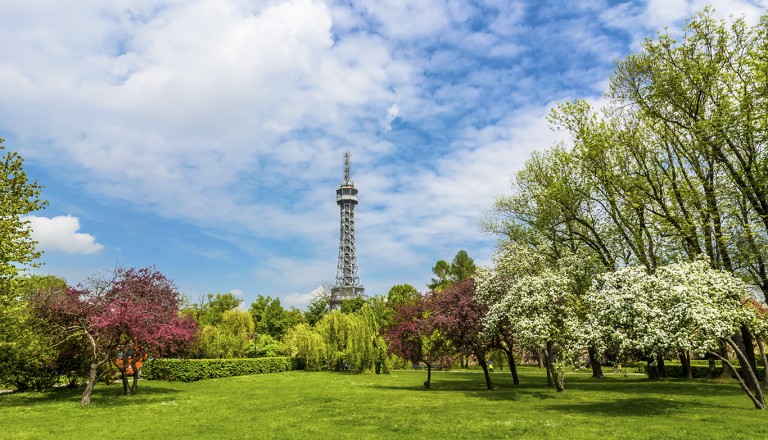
(60, 234)
(301, 300)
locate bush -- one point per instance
(190, 370)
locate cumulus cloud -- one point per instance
(60, 234)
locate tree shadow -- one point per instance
(630, 407)
(109, 395)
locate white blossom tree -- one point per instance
(537, 304)
(682, 306)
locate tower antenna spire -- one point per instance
(348, 285)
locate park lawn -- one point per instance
(299, 404)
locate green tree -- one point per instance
(461, 268)
(30, 357)
(18, 196)
(271, 318)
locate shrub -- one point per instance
(699, 369)
(190, 370)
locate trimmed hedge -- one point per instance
(190, 370)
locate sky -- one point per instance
(206, 137)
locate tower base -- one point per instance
(341, 293)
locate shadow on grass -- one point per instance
(111, 395)
(630, 407)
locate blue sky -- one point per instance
(205, 137)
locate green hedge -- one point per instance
(699, 369)
(190, 370)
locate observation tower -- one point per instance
(347, 285)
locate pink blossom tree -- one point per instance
(137, 309)
(458, 315)
(411, 334)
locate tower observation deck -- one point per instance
(347, 285)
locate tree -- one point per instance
(462, 267)
(18, 196)
(412, 335)
(458, 315)
(402, 294)
(212, 308)
(537, 304)
(270, 317)
(30, 358)
(134, 309)
(689, 306)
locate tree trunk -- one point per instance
(727, 371)
(594, 361)
(685, 361)
(559, 378)
(652, 369)
(124, 378)
(135, 378)
(512, 367)
(92, 373)
(662, 368)
(748, 344)
(484, 364)
(428, 383)
(712, 370)
(540, 359)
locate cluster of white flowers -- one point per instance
(534, 302)
(683, 306)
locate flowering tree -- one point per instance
(136, 309)
(683, 306)
(457, 314)
(412, 335)
(536, 299)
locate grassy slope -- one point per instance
(338, 405)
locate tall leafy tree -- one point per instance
(18, 196)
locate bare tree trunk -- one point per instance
(428, 383)
(135, 384)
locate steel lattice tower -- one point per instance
(347, 284)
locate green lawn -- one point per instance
(297, 404)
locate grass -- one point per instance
(299, 404)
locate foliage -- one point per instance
(190, 370)
(306, 345)
(682, 306)
(137, 307)
(537, 303)
(18, 196)
(411, 334)
(316, 309)
(458, 315)
(271, 318)
(461, 268)
(212, 308)
(266, 346)
(231, 338)
(29, 357)
(351, 340)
